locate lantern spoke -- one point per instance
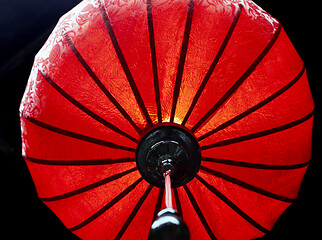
(158, 204)
(124, 64)
(85, 109)
(88, 187)
(77, 135)
(246, 185)
(254, 108)
(182, 59)
(88, 162)
(107, 206)
(100, 84)
(238, 83)
(199, 213)
(255, 165)
(213, 65)
(232, 205)
(258, 134)
(134, 212)
(154, 60)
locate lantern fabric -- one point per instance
(224, 70)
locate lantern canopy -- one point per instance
(120, 85)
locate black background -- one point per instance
(25, 26)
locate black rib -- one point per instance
(255, 165)
(154, 60)
(124, 64)
(178, 204)
(134, 212)
(258, 134)
(158, 204)
(107, 206)
(256, 107)
(182, 59)
(237, 84)
(199, 213)
(100, 84)
(232, 205)
(77, 135)
(85, 109)
(88, 187)
(246, 185)
(89, 162)
(213, 65)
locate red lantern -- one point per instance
(220, 77)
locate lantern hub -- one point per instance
(168, 148)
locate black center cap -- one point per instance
(168, 148)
